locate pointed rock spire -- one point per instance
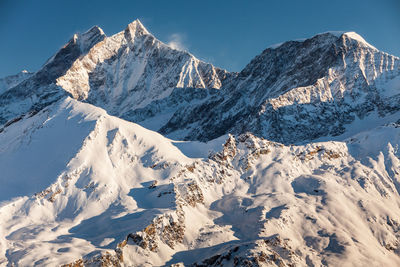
(136, 28)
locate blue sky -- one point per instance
(226, 33)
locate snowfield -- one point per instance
(294, 161)
(103, 184)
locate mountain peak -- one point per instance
(89, 38)
(338, 34)
(359, 38)
(137, 28)
(351, 35)
(94, 30)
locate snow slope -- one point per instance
(88, 165)
(123, 195)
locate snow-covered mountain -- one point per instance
(120, 73)
(115, 193)
(310, 177)
(299, 90)
(132, 68)
(40, 90)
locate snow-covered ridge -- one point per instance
(40, 90)
(118, 194)
(338, 34)
(356, 36)
(133, 68)
(328, 80)
(133, 75)
(123, 72)
(84, 40)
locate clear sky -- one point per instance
(226, 33)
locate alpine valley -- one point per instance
(123, 151)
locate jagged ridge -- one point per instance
(299, 91)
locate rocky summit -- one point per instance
(124, 151)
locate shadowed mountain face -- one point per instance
(299, 91)
(40, 89)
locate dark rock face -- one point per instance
(298, 63)
(178, 99)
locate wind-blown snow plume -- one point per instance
(175, 41)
